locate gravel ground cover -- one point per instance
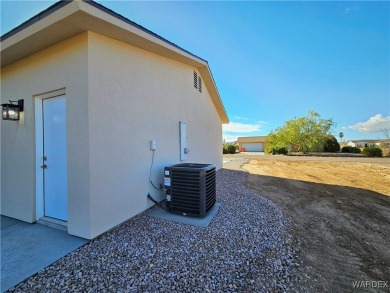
(246, 248)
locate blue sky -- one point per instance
(273, 61)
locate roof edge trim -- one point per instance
(140, 27)
(56, 6)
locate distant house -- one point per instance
(368, 143)
(252, 143)
(100, 94)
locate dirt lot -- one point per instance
(340, 209)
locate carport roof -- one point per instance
(66, 19)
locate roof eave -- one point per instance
(66, 19)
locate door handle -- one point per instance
(44, 166)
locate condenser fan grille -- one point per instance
(192, 188)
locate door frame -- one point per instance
(39, 184)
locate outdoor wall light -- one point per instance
(12, 110)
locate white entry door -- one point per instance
(54, 158)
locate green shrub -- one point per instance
(331, 145)
(231, 149)
(372, 152)
(224, 150)
(350, 149)
(282, 151)
(277, 151)
(228, 149)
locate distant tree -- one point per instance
(331, 145)
(386, 133)
(341, 135)
(303, 134)
(386, 143)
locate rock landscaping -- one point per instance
(246, 248)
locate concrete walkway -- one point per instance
(28, 248)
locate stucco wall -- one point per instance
(135, 96)
(60, 66)
(118, 98)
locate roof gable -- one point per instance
(66, 19)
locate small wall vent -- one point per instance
(195, 80)
(200, 84)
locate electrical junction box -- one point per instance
(153, 144)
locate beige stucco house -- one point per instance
(368, 143)
(251, 143)
(97, 89)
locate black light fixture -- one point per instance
(12, 110)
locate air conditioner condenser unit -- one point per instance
(190, 188)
